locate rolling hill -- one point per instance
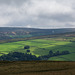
(12, 33)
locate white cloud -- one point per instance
(37, 13)
(28, 26)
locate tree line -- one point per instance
(52, 54)
(18, 56)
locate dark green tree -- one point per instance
(56, 53)
(26, 47)
(51, 53)
(28, 50)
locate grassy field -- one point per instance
(37, 68)
(41, 47)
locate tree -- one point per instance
(65, 52)
(28, 50)
(57, 53)
(50, 53)
(26, 47)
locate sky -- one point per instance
(45, 14)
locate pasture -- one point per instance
(40, 47)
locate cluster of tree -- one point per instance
(18, 56)
(51, 54)
(72, 40)
(27, 48)
(58, 53)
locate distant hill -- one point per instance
(11, 32)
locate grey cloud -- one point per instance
(12, 1)
(58, 17)
(37, 13)
(70, 25)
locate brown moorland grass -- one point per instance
(37, 68)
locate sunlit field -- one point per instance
(40, 47)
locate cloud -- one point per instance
(37, 13)
(9, 2)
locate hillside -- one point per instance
(41, 46)
(12, 33)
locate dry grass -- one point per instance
(37, 68)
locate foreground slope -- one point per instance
(37, 68)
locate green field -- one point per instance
(41, 47)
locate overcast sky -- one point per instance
(37, 13)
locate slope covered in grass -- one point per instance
(40, 47)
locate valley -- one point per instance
(41, 47)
